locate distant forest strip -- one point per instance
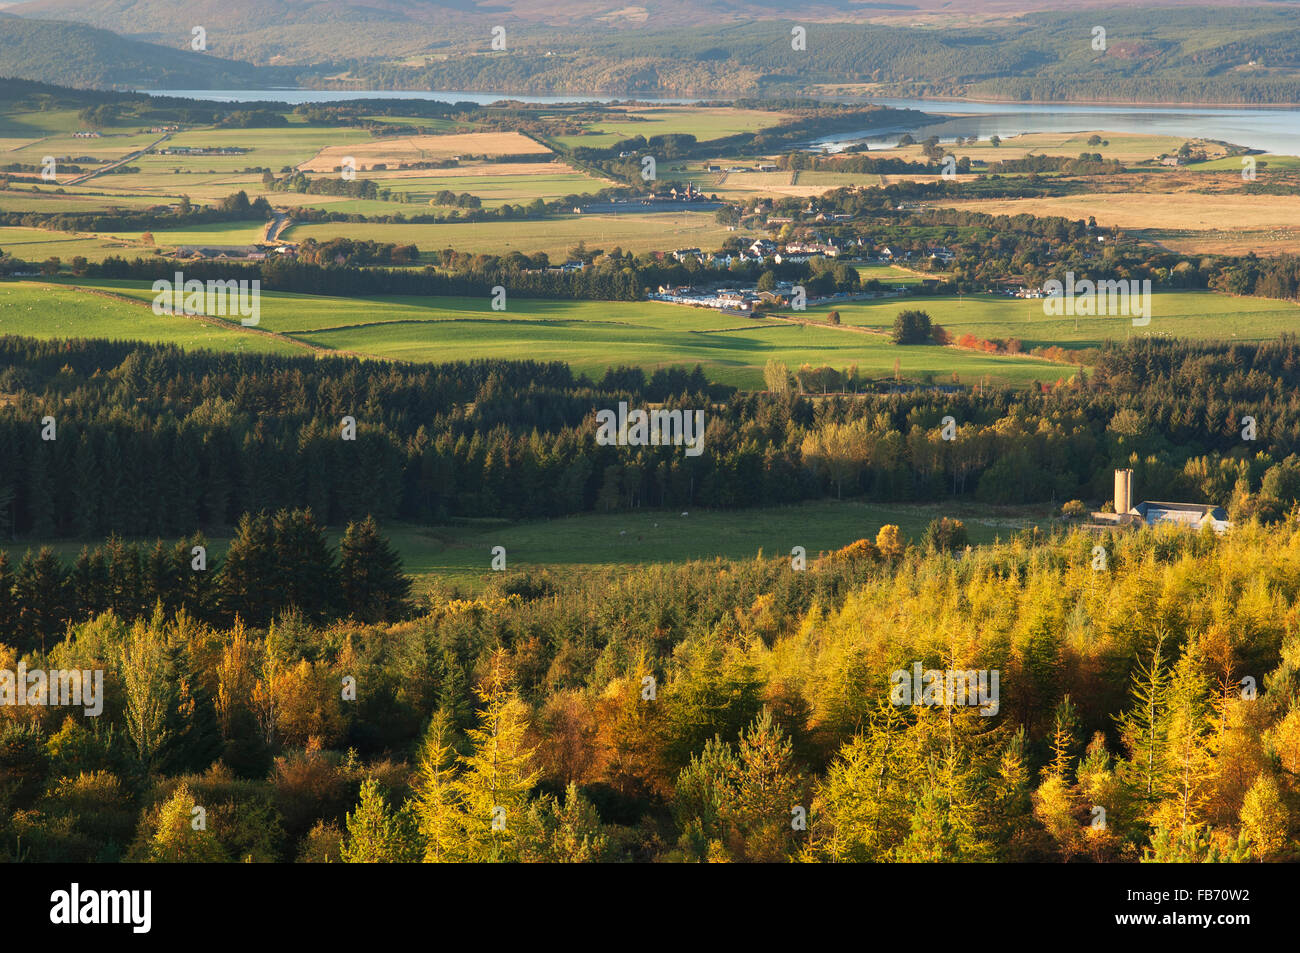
(152, 440)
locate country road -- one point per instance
(120, 162)
(275, 226)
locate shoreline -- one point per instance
(678, 97)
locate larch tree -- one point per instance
(498, 773)
(437, 804)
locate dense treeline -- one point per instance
(274, 564)
(233, 208)
(150, 440)
(342, 266)
(717, 711)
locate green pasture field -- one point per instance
(835, 180)
(38, 244)
(1233, 163)
(43, 310)
(632, 232)
(593, 335)
(165, 187)
(215, 233)
(429, 124)
(887, 275)
(73, 201)
(589, 335)
(702, 123)
(459, 554)
(495, 190)
(29, 136)
(269, 148)
(1190, 314)
(27, 123)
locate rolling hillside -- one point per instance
(72, 54)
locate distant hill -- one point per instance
(72, 54)
(1222, 54)
(309, 32)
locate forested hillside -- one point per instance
(1234, 55)
(70, 54)
(711, 711)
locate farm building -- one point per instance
(1153, 513)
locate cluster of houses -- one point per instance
(762, 167)
(746, 300)
(739, 301)
(684, 193)
(763, 250)
(86, 134)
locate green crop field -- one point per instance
(459, 554)
(631, 232)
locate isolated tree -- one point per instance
(911, 327)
